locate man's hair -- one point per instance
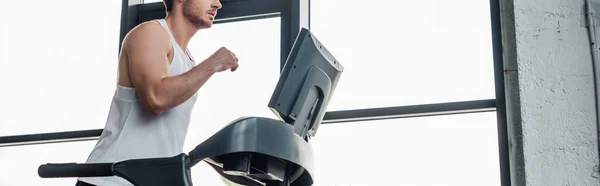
(168, 5)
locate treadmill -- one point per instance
(253, 151)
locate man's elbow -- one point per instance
(155, 111)
(155, 106)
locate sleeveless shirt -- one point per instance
(131, 132)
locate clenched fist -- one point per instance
(222, 60)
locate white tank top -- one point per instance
(131, 132)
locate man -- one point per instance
(156, 87)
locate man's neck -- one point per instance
(182, 29)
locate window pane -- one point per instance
(456, 150)
(407, 53)
(20, 163)
(230, 95)
(151, 1)
(59, 61)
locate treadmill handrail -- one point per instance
(58, 170)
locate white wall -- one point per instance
(551, 94)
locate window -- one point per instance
(59, 61)
(230, 95)
(400, 54)
(405, 53)
(441, 150)
(20, 163)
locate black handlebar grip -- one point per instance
(56, 170)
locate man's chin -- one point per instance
(201, 24)
(207, 24)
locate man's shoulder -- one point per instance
(149, 31)
(148, 26)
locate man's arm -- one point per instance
(147, 48)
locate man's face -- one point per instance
(201, 12)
